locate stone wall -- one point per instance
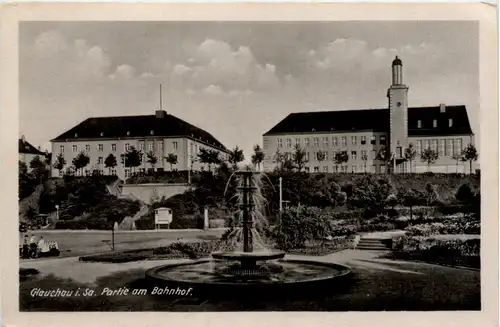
(146, 192)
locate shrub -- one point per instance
(371, 191)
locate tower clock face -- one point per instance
(398, 104)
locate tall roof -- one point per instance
(26, 148)
(376, 120)
(397, 62)
(137, 126)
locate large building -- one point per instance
(27, 152)
(363, 133)
(161, 133)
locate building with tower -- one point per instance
(364, 134)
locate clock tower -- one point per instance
(398, 108)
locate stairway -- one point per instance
(373, 244)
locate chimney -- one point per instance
(442, 108)
(23, 139)
(160, 113)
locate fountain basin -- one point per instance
(211, 278)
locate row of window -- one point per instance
(345, 169)
(325, 155)
(142, 146)
(443, 147)
(334, 141)
(435, 123)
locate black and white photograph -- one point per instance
(209, 166)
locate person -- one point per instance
(41, 246)
(26, 247)
(33, 246)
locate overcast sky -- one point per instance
(236, 80)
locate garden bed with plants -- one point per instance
(464, 253)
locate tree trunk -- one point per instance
(470, 164)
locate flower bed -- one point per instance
(451, 226)
(324, 247)
(448, 252)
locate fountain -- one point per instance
(248, 270)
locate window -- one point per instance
(344, 141)
(326, 155)
(435, 145)
(127, 147)
(427, 144)
(99, 161)
(344, 169)
(449, 148)
(288, 143)
(374, 168)
(334, 141)
(307, 141)
(100, 147)
(61, 148)
(382, 169)
(280, 143)
(353, 155)
(373, 140)
(176, 145)
(458, 146)
(363, 139)
(151, 146)
(325, 141)
(353, 169)
(127, 172)
(419, 147)
(434, 123)
(382, 140)
(87, 148)
(374, 154)
(316, 142)
(364, 155)
(325, 169)
(160, 145)
(306, 169)
(442, 145)
(141, 145)
(75, 148)
(113, 172)
(297, 141)
(419, 124)
(450, 122)
(353, 140)
(316, 169)
(113, 147)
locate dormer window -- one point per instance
(450, 122)
(419, 124)
(128, 133)
(102, 134)
(76, 134)
(314, 129)
(434, 123)
(152, 132)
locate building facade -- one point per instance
(364, 134)
(27, 152)
(161, 135)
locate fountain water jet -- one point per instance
(248, 270)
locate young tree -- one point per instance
(38, 168)
(321, 156)
(429, 156)
(257, 156)
(431, 194)
(279, 159)
(340, 158)
(81, 161)
(469, 154)
(299, 158)
(410, 198)
(132, 158)
(152, 159)
(410, 154)
(386, 156)
(364, 157)
(371, 191)
(110, 162)
(59, 163)
(214, 157)
(236, 156)
(172, 159)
